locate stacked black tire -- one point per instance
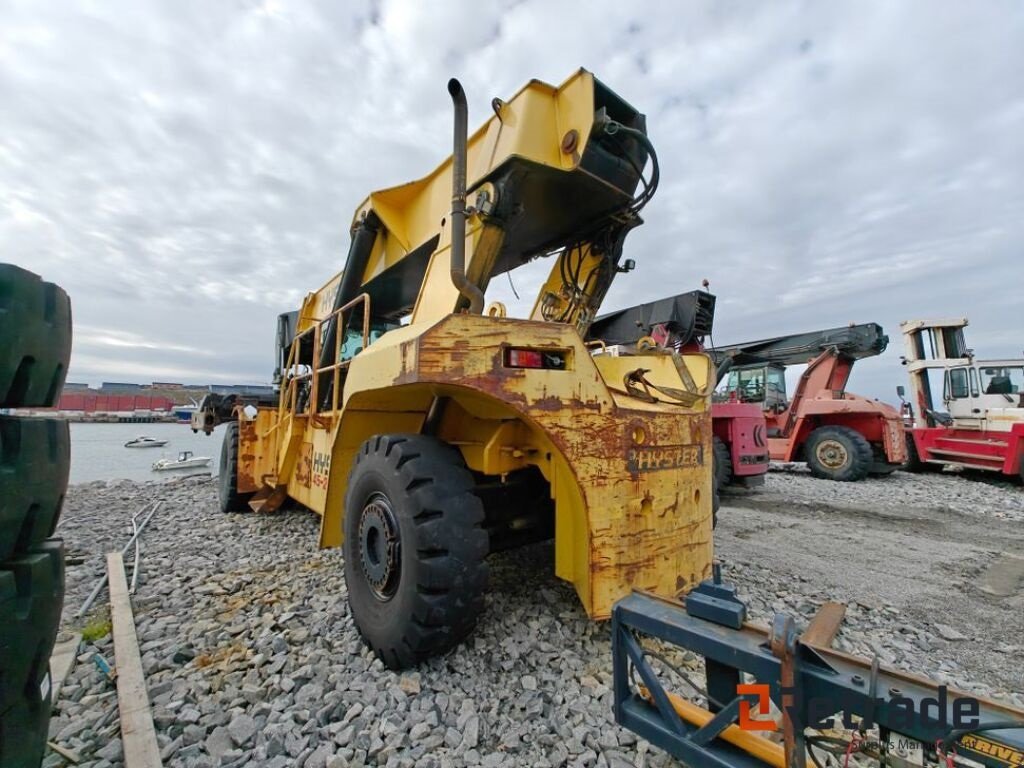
(35, 344)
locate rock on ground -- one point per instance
(251, 657)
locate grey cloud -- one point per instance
(189, 170)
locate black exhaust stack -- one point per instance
(458, 254)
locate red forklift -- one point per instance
(982, 427)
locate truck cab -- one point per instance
(985, 395)
(763, 384)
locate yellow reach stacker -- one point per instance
(428, 430)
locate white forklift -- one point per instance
(982, 426)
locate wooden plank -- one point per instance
(68, 754)
(62, 660)
(137, 733)
(824, 626)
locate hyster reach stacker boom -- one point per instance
(841, 436)
(428, 432)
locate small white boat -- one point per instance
(185, 460)
(145, 442)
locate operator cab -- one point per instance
(765, 384)
(986, 394)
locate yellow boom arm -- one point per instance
(553, 171)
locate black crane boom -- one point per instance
(852, 342)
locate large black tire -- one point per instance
(721, 467)
(31, 598)
(722, 463)
(35, 339)
(838, 453)
(230, 498)
(35, 456)
(880, 465)
(414, 548)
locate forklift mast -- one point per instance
(932, 345)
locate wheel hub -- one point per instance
(380, 547)
(832, 454)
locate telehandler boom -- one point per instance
(428, 432)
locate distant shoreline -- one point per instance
(86, 418)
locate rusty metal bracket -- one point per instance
(638, 386)
(809, 684)
(783, 645)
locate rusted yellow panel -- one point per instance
(308, 482)
(631, 479)
(257, 450)
(661, 370)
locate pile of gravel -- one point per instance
(251, 657)
(980, 494)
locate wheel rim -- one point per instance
(832, 454)
(380, 547)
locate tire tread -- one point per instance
(35, 339)
(35, 457)
(451, 547)
(863, 456)
(229, 497)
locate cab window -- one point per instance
(353, 340)
(1002, 380)
(748, 384)
(776, 379)
(957, 383)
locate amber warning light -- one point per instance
(535, 358)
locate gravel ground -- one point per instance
(251, 657)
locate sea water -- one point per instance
(98, 452)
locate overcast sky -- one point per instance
(188, 170)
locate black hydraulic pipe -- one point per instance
(723, 368)
(458, 253)
(363, 236)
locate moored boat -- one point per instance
(185, 460)
(142, 441)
